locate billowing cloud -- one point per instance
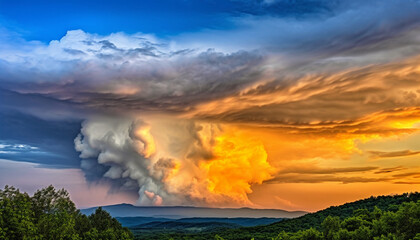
(203, 118)
(194, 163)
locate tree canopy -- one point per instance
(394, 217)
(50, 214)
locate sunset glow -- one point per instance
(263, 104)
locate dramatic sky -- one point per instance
(287, 104)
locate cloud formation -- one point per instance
(188, 163)
(379, 154)
(201, 118)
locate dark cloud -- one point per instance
(331, 102)
(407, 174)
(390, 170)
(49, 142)
(41, 106)
(314, 170)
(313, 28)
(344, 175)
(320, 179)
(46, 126)
(380, 154)
(73, 51)
(286, 8)
(173, 86)
(407, 182)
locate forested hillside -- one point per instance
(384, 217)
(403, 224)
(50, 214)
(314, 220)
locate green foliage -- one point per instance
(107, 227)
(309, 234)
(330, 226)
(376, 218)
(50, 214)
(16, 215)
(404, 224)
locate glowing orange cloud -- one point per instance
(241, 157)
(239, 161)
(343, 95)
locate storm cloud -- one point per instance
(169, 118)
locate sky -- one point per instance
(295, 105)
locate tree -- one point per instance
(282, 236)
(362, 233)
(50, 214)
(353, 223)
(330, 226)
(55, 214)
(16, 215)
(408, 220)
(309, 234)
(107, 226)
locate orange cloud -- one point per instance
(239, 161)
(319, 98)
(307, 130)
(380, 154)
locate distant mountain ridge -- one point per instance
(178, 212)
(151, 222)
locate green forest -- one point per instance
(50, 214)
(383, 217)
(394, 217)
(403, 224)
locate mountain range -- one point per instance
(178, 212)
(151, 222)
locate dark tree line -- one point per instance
(50, 214)
(403, 224)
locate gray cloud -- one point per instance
(107, 143)
(343, 25)
(138, 72)
(123, 151)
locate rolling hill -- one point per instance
(177, 212)
(142, 222)
(309, 221)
